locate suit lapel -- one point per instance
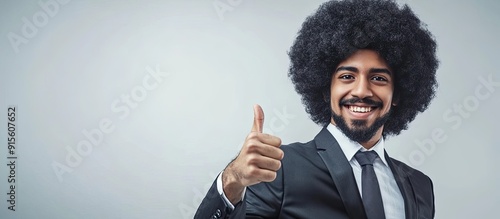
(404, 184)
(341, 173)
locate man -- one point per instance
(364, 69)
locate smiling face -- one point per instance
(361, 95)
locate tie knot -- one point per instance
(366, 157)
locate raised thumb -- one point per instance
(258, 119)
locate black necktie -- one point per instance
(372, 199)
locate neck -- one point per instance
(370, 143)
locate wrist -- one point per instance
(233, 189)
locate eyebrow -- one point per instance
(372, 70)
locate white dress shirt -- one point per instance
(391, 196)
(394, 206)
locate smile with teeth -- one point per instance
(361, 109)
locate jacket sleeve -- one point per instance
(213, 206)
(262, 200)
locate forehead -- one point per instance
(364, 58)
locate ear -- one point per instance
(395, 100)
(326, 96)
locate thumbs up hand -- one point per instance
(259, 159)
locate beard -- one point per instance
(360, 131)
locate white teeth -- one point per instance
(360, 109)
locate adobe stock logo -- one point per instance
(30, 27)
(122, 108)
(454, 116)
(224, 6)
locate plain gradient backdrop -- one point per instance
(165, 89)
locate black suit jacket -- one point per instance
(316, 181)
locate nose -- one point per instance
(362, 89)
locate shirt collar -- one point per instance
(350, 148)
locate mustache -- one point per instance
(359, 100)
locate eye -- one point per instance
(379, 78)
(346, 77)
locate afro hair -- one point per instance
(338, 29)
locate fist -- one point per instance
(259, 159)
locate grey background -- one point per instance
(160, 158)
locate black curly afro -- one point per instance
(338, 29)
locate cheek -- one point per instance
(388, 99)
(337, 92)
(335, 98)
